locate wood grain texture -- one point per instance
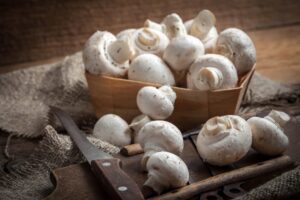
(278, 53)
(118, 96)
(36, 30)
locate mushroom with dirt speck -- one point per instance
(158, 136)
(104, 54)
(236, 45)
(146, 40)
(166, 171)
(171, 25)
(224, 140)
(159, 71)
(156, 103)
(211, 72)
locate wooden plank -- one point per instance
(36, 30)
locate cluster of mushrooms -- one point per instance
(161, 140)
(190, 54)
(173, 53)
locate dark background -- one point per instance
(34, 30)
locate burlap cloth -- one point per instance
(25, 97)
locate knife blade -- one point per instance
(106, 168)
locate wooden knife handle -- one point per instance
(114, 180)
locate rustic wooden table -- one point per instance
(34, 32)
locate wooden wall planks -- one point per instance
(36, 30)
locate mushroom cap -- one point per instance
(268, 136)
(182, 51)
(155, 103)
(171, 25)
(228, 72)
(113, 129)
(224, 140)
(150, 68)
(97, 60)
(236, 45)
(147, 40)
(158, 136)
(210, 40)
(188, 24)
(169, 92)
(165, 171)
(125, 34)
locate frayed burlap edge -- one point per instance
(30, 179)
(285, 186)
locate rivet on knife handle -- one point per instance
(117, 184)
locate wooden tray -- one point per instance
(78, 182)
(118, 96)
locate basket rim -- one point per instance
(242, 81)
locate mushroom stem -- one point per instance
(216, 125)
(201, 25)
(174, 25)
(120, 51)
(153, 25)
(147, 37)
(281, 118)
(147, 155)
(209, 78)
(170, 94)
(156, 185)
(137, 123)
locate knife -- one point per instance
(107, 169)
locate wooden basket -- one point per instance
(118, 96)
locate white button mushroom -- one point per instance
(182, 51)
(267, 133)
(125, 34)
(224, 140)
(236, 45)
(137, 123)
(150, 68)
(104, 54)
(166, 171)
(158, 136)
(211, 72)
(156, 103)
(171, 25)
(113, 129)
(146, 40)
(203, 27)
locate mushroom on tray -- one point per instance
(158, 136)
(224, 140)
(166, 171)
(267, 133)
(113, 129)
